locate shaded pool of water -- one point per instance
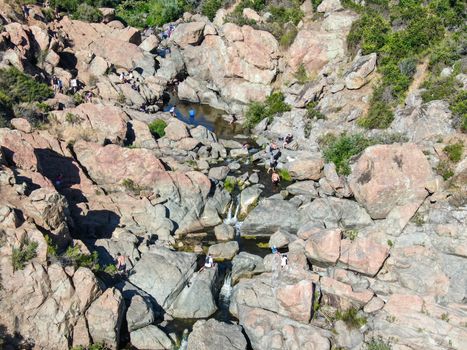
(205, 115)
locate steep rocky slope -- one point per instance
(373, 222)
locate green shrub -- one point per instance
(88, 13)
(380, 114)
(415, 28)
(444, 169)
(284, 15)
(285, 175)
(454, 151)
(350, 317)
(97, 346)
(131, 186)
(51, 247)
(340, 150)
(142, 13)
(258, 111)
(210, 8)
(111, 269)
(27, 251)
(20, 87)
(368, 32)
(316, 3)
(459, 108)
(157, 128)
(229, 184)
(74, 256)
(288, 37)
(312, 111)
(301, 75)
(378, 344)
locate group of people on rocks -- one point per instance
(275, 153)
(284, 258)
(57, 85)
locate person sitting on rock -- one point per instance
(121, 263)
(287, 140)
(275, 178)
(209, 261)
(88, 97)
(122, 77)
(274, 250)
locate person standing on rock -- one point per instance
(121, 263)
(284, 260)
(74, 85)
(275, 178)
(54, 84)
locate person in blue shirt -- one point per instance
(191, 113)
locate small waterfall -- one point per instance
(226, 291)
(184, 342)
(232, 220)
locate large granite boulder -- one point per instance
(391, 180)
(269, 330)
(270, 216)
(163, 274)
(98, 123)
(196, 300)
(188, 33)
(150, 338)
(105, 316)
(286, 293)
(214, 335)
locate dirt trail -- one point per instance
(419, 77)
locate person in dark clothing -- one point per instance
(287, 140)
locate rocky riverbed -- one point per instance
(376, 257)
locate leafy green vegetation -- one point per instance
(74, 256)
(445, 170)
(229, 184)
(88, 13)
(312, 111)
(378, 344)
(257, 111)
(157, 128)
(351, 234)
(450, 53)
(210, 8)
(284, 175)
(400, 33)
(26, 251)
(283, 21)
(263, 245)
(301, 75)
(351, 318)
(454, 151)
(340, 150)
(131, 186)
(51, 247)
(143, 13)
(97, 346)
(380, 114)
(17, 90)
